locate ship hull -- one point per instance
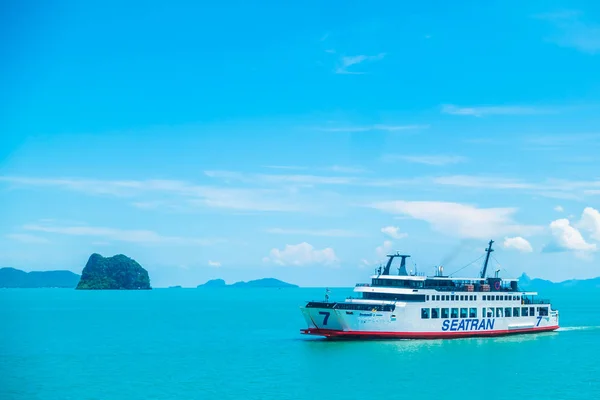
(405, 322)
(374, 335)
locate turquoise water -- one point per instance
(245, 344)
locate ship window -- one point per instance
(518, 297)
(543, 311)
(452, 297)
(497, 298)
(454, 313)
(498, 312)
(531, 311)
(484, 296)
(427, 297)
(472, 313)
(444, 313)
(435, 313)
(514, 297)
(424, 313)
(525, 311)
(475, 297)
(515, 311)
(463, 313)
(437, 297)
(507, 311)
(483, 312)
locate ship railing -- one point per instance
(535, 301)
(362, 284)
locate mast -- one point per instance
(487, 258)
(401, 270)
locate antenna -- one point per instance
(487, 258)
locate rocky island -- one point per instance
(113, 273)
(258, 283)
(15, 278)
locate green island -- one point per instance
(15, 278)
(257, 283)
(113, 273)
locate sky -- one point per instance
(302, 141)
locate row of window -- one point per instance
(406, 283)
(471, 297)
(488, 312)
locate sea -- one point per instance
(246, 344)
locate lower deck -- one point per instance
(340, 334)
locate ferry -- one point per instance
(415, 306)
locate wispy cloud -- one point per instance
(302, 254)
(215, 264)
(348, 61)
(393, 232)
(572, 31)
(316, 232)
(462, 220)
(182, 194)
(481, 111)
(27, 238)
(287, 167)
(437, 160)
(376, 127)
(122, 235)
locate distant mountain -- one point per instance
(214, 283)
(15, 278)
(526, 283)
(113, 273)
(258, 283)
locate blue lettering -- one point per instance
(481, 325)
(453, 325)
(474, 324)
(490, 324)
(326, 314)
(461, 326)
(445, 325)
(539, 320)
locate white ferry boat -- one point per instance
(412, 306)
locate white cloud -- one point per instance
(302, 254)
(480, 111)
(215, 264)
(482, 182)
(457, 219)
(376, 127)
(567, 238)
(349, 61)
(590, 221)
(181, 193)
(133, 236)
(572, 31)
(27, 238)
(383, 250)
(315, 232)
(437, 160)
(346, 170)
(393, 232)
(518, 243)
(559, 209)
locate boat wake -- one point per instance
(577, 328)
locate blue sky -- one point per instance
(301, 141)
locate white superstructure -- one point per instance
(408, 306)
